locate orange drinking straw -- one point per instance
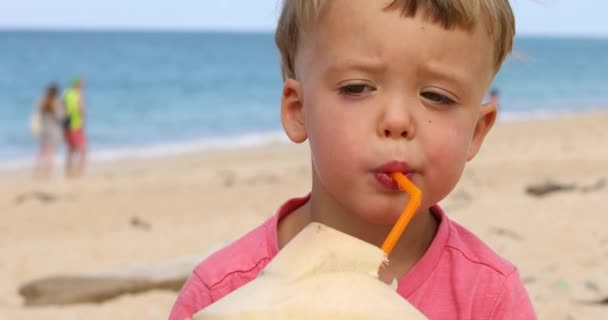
(407, 214)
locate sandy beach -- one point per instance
(191, 204)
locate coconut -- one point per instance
(321, 273)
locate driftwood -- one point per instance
(42, 197)
(598, 302)
(545, 188)
(100, 287)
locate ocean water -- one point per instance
(153, 93)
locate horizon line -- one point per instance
(144, 29)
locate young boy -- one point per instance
(378, 87)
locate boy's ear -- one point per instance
(487, 117)
(292, 113)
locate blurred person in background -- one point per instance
(75, 129)
(494, 97)
(48, 119)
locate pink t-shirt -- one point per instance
(458, 277)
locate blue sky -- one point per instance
(550, 17)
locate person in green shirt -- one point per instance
(75, 129)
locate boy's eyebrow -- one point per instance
(361, 64)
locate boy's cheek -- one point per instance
(450, 154)
(446, 159)
(442, 171)
(332, 154)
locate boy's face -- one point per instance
(375, 88)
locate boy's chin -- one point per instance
(381, 217)
(387, 214)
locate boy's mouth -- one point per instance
(383, 173)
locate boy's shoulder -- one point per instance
(240, 262)
(458, 254)
(469, 248)
(466, 278)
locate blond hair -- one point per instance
(299, 16)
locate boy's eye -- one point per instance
(356, 89)
(437, 98)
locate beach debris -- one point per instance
(599, 185)
(100, 287)
(562, 285)
(597, 302)
(594, 294)
(529, 280)
(548, 187)
(228, 178)
(592, 286)
(139, 223)
(42, 197)
(506, 233)
(322, 273)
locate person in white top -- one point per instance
(50, 114)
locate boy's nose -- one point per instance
(396, 124)
(395, 133)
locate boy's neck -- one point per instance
(411, 247)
